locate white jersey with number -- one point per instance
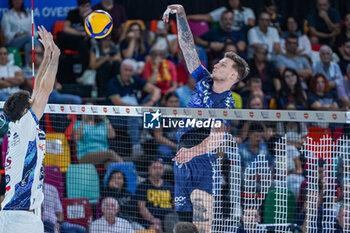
(24, 164)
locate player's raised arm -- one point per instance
(185, 36)
(47, 80)
(45, 38)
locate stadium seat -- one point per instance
(83, 181)
(198, 28)
(57, 27)
(173, 28)
(54, 176)
(129, 170)
(77, 211)
(270, 207)
(57, 151)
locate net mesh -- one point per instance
(260, 183)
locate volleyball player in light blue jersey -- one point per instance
(193, 167)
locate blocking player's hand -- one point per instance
(184, 155)
(173, 9)
(45, 38)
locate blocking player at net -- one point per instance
(193, 167)
(26, 147)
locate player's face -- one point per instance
(224, 71)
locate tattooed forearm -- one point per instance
(187, 43)
(199, 211)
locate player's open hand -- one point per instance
(46, 38)
(184, 155)
(173, 9)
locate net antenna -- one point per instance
(32, 14)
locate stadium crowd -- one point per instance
(296, 64)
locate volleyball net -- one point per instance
(272, 171)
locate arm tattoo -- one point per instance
(199, 211)
(187, 43)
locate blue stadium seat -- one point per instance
(129, 170)
(83, 181)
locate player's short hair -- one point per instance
(185, 227)
(240, 65)
(16, 104)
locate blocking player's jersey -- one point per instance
(24, 164)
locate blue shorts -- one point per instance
(195, 174)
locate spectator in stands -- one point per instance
(263, 69)
(296, 132)
(184, 93)
(343, 36)
(292, 90)
(55, 97)
(244, 16)
(342, 219)
(323, 22)
(155, 197)
(316, 200)
(163, 39)
(118, 14)
(123, 91)
(160, 72)
(74, 36)
(105, 59)
(134, 46)
(328, 68)
(52, 213)
(345, 59)
(109, 222)
(264, 34)
(254, 146)
(117, 189)
(270, 7)
(91, 134)
(292, 60)
(185, 227)
(319, 97)
(292, 26)
(254, 88)
(166, 137)
(294, 166)
(215, 39)
(11, 76)
(16, 25)
(343, 90)
(301, 198)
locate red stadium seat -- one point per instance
(198, 28)
(77, 211)
(173, 27)
(54, 176)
